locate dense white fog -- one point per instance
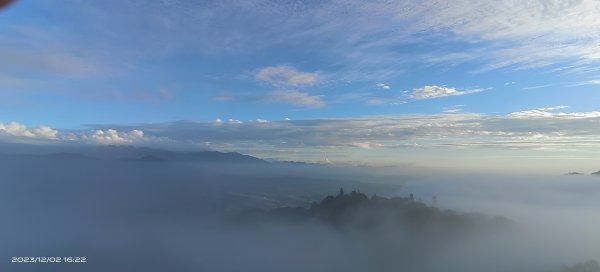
(555, 212)
(126, 213)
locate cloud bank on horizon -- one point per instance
(352, 75)
(546, 133)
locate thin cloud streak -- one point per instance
(433, 91)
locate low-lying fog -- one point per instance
(557, 213)
(128, 209)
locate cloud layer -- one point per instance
(566, 138)
(534, 129)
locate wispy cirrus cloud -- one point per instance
(587, 82)
(296, 98)
(453, 109)
(486, 35)
(35, 50)
(289, 97)
(283, 75)
(551, 112)
(498, 34)
(383, 86)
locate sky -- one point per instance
(503, 85)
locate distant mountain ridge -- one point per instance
(140, 154)
(197, 156)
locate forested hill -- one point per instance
(409, 230)
(356, 209)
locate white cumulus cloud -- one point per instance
(18, 130)
(114, 137)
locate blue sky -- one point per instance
(74, 70)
